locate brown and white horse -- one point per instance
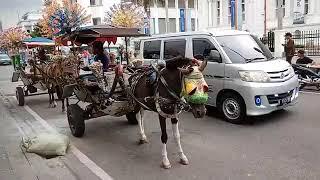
(60, 72)
(174, 83)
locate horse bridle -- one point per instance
(179, 102)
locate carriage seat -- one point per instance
(89, 77)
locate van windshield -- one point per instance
(244, 48)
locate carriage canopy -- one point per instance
(87, 35)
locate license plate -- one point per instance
(284, 101)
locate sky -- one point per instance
(10, 10)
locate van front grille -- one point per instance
(277, 76)
(274, 98)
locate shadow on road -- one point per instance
(253, 120)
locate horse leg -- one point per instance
(176, 134)
(63, 106)
(54, 103)
(67, 101)
(143, 137)
(164, 138)
(50, 99)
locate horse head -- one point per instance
(194, 88)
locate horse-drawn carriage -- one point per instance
(30, 72)
(45, 73)
(107, 93)
(167, 90)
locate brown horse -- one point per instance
(177, 86)
(59, 73)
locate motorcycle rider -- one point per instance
(304, 59)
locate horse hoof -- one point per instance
(184, 161)
(143, 141)
(166, 165)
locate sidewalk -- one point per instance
(17, 165)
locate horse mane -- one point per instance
(177, 62)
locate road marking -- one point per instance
(309, 92)
(98, 171)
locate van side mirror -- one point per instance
(215, 56)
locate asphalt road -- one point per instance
(282, 145)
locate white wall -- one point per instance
(97, 11)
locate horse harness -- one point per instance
(179, 102)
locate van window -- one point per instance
(151, 49)
(174, 48)
(201, 48)
(244, 48)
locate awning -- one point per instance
(38, 41)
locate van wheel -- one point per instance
(233, 108)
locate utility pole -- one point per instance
(236, 14)
(279, 13)
(265, 18)
(186, 19)
(167, 16)
(1, 26)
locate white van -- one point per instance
(243, 76)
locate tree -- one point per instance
(50, 7)
(127, 15)
(60, 19)
(37, 32)
(12, 38)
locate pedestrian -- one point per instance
(100, 55)
(303, 59)
(289, 48)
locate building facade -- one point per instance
(179, 19)
(280, 15)
(29, 20)
(97, 9)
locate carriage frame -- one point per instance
(118, 100)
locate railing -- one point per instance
(268, 40)
(309, 41)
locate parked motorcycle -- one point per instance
(307, 76)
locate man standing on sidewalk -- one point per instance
(289, 48)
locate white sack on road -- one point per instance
(47, 145)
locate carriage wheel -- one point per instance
(20, 96)
(76, 120)
(131, 117)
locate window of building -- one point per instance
(243, 8)
(172, 25)
(162, 25)
(151, 49)
(306, 6)
(174, 48)
(171, 3)
(95, 2)
(202, 48)
(190, 3)
(152, 26)
(96, 21)
(229, 11)
(160, 3)
(193, 24)
(218, 12)
(181, 4)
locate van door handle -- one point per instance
(218, 77)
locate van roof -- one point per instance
(209, 33)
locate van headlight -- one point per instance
(254, 76)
